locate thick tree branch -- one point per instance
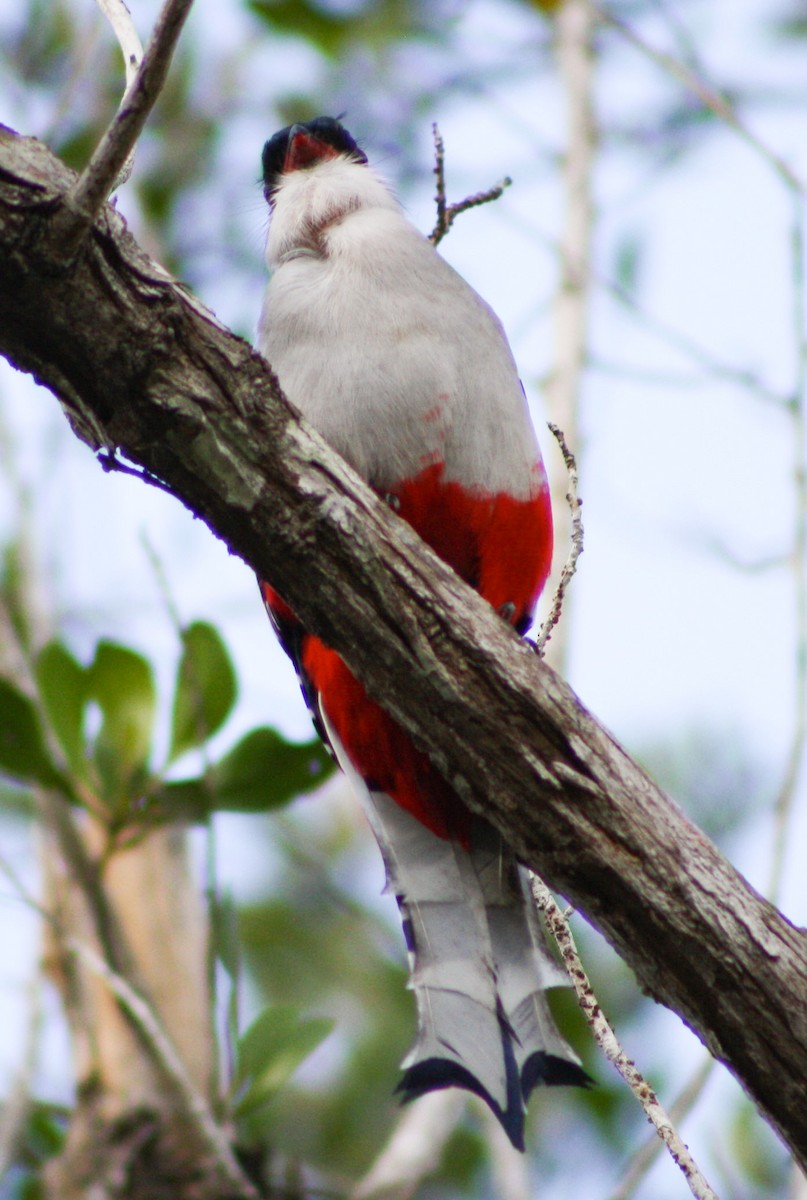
(141, 368)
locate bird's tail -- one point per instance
(479, 967)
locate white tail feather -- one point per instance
(479, 963)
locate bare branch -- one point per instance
(649, 1151)
(120, 19)
(83, 201)
(575, 547)
(446, 213)
(609, 1044)
(711, 99)
(123, 27)
(414, 1148)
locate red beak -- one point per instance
(304, 149)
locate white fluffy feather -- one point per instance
(382, 345)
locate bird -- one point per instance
(407, 373)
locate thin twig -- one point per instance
(711, 99)
(783, 806)
(446, 213)
(576, 64)
(414, 1148)
(575, 543)
(742, 377)
(123, 27)
(649, 1151)
(440, 176)
(83, 201)
(607, 1040)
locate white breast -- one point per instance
(382, 346)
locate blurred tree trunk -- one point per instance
(128, 1137)
(573, 24)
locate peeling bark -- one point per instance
(142, 369)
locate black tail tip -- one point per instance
(433, 1074)
(540, 1069)
(548, 1070)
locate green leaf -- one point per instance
(62, 684)
(23, 753)
(329, 32)
(332, 29)
(205, 689)
(45, 1130)
(122, 683)
(183, 800)
(264, 771)
(271, 1050)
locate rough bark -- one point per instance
(140, 367)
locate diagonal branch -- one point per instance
(138, 365)
(607, 1040)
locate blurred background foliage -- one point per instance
(306, 935)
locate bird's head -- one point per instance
(314, 176)
(304, 146)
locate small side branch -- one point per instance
(163, 1053)
(785, 800)
(85, 198)
(709, 98)
(575, 546)
(609, 1044)
(123, 27)
(414, 1149)
(447, 213)
(120, 19)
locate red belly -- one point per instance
(503, 548)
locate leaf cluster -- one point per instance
(88, 734)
